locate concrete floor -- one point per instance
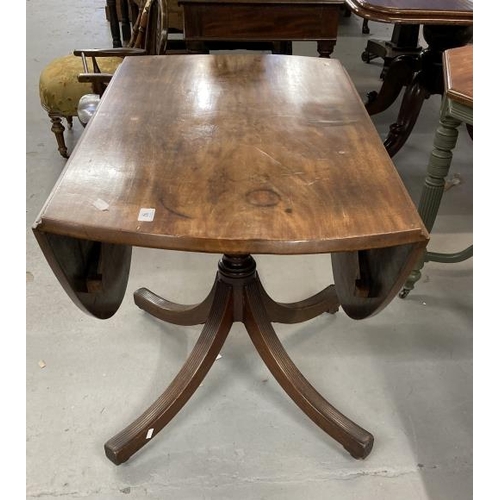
(405, 374)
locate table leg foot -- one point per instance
(122, 446)
(355, 440)
(178, 314)
(325, 48)
(304, 310)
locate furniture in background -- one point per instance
(446, 24)
(456, 109)
(404, 41)
(209, 21)
(121, 12)
(236, 162)
(364, 28)
(154, 40)
(64, 81)
(176, 27)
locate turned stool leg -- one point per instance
(445, 141)
(58, 129)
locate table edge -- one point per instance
(387, 15)
(233, 246)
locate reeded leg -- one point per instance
(178, 314)
(438, 167)
(58, 130)
(355, 440)
(122, 446)
(297, 312)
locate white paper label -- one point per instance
(101, 204)
(146, 214)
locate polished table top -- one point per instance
(458, 70)
(457, 12)
(242, 154)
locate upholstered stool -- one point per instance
(60, 91)
(456, 109)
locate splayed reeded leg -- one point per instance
(304, 310)
(122, 446)
(170, 311)
(355, 440)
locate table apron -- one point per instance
(268, 22)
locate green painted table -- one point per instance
(455, 110)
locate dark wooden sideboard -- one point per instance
(262, 20)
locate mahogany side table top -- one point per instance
(232, 154)
(458, 12)
(458, 81)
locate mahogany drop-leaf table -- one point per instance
(235, 155)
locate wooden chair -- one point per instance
(64, 81)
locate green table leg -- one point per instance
(438, 167)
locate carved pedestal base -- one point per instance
(421, 74)
(237, 295)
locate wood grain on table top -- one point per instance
(458, 69)
(236, 154)
(415, 11)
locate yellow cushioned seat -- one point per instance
(59, 87)
(60, 91)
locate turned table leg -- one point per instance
(114, 24)
(445, 140)
(325, 48)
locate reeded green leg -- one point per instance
(445, 141)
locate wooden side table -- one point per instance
(456, 109)
(236, 155)
(261, 20)
(446, 24)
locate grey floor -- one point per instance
(405, 374)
